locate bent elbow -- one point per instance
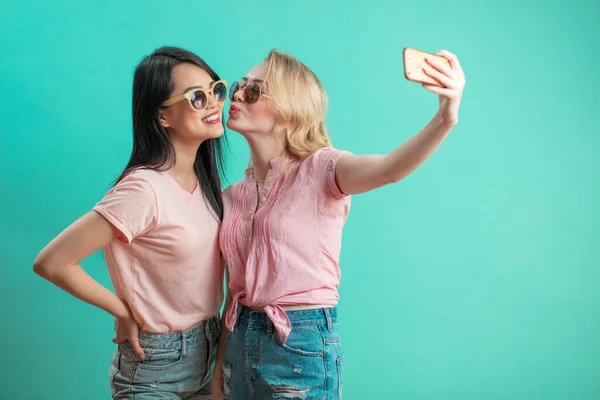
(394, 179)
(397, 177)
(43, 267)
(39, 267)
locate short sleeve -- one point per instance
(324, 163)
(130, 206)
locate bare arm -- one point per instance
(359, 174)
(217, 390)
(59, 261)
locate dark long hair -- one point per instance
(152, 148)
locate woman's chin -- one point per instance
(212, 133)
(232, 124)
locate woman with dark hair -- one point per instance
(158, 227)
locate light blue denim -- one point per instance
(308, 366)
(176, 365)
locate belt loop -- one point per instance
(328, 319)
(240, 308)
(183, 344)
(207, 334)
(269, 327)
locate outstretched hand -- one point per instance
(452, 82)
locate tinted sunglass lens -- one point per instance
(234, 88)
(252, 93)
(198, 99)
(220, 92)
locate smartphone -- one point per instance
(414, 62)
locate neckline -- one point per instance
(272, 165)
(181, 190)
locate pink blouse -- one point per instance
(285, 251)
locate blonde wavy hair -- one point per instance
(300, 106)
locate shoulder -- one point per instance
(324, 160)
(325, 155)
(148, 179)
(150, 176)
(131, 206)
(230, 192)
(139, 183)
(229, 196)
(321, 168)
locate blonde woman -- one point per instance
(282, 228)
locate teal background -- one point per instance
(475, 278)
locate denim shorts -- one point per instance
(176, 365)
(308, 366)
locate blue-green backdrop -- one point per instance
(476, 278)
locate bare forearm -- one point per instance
(59, 261)
(73, 279)
(359, 174)
(221, 351)
(415, 151)
(408, 157)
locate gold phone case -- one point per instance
(414, 62)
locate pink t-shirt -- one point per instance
(166, 263)
(285, 251)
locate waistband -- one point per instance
(208, 329)
(281, 320)
(316, 316)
